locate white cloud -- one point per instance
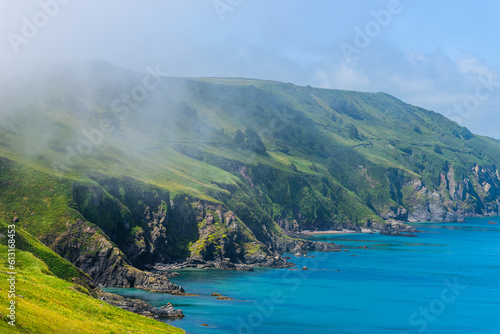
(469, 64)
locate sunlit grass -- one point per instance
(47, 304)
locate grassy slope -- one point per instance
(55, 263)
(52, 303)
(41, 201)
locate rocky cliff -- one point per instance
(141, 307)
(87, 247)
(452, 199)
(151, 229)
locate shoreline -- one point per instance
(363, 230)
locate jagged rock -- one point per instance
(141, 307)
(397, 213)
(224, 298)
(105, 263)
(168, 311)
(300, 246)
(454, 199)
(399, 229)
(245, 268)
(162, 271)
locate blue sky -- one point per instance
(439, 55)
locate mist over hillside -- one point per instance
(223, 169)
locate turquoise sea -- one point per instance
(447, 280)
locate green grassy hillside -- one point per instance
(151, 160)
(53, 296)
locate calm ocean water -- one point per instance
(447, 280)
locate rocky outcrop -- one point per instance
(293, 245)
(474, 195)
(274, 262)
(265, 260)
(87, 247)
(432, 205)
(399, 229)
(141, 307)
(396, 213)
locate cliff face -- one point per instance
(87, 247)
(152, 228)
(453, 199)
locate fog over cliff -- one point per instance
(399, 47)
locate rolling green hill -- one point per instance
(157, 169)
